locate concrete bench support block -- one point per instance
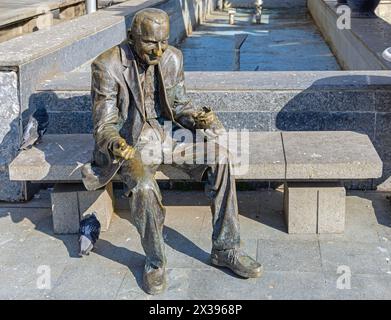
(101, 201)
(71, 202)
(314, 207)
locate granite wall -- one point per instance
(282, 101)
(9, 133)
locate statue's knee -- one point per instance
(146, 188)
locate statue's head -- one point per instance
(149, 34)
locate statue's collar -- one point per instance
(128, 55)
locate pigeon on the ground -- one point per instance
(88, 234)
(35, 128)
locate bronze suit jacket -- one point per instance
(118, 105)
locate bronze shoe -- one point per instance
(154, 279)
(238, 261)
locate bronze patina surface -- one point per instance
(136, 87)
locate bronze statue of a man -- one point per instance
(136, 87)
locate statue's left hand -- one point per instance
(205, 119)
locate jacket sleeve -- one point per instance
(183, 108)
(185, 112)
(105, 112)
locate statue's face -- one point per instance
(152, 42)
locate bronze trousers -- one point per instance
(148, 212)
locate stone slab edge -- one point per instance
(354, 40)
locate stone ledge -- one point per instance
(30, 9)
(44, 42)
(357, 48)
(247, 81)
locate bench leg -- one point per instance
(101, 201)
(71, 202)
(314, 207)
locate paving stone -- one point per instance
(20, 281)
(302, 285)
(295, 268)
(368, 287)
(220, 284)
(266, 53)
(298, 255)
(91, 282)
(352, 54)
(361, 258)
(360, 224)
(177, 286)
(381, 215)
(205, 245)
(182, 252)
(186, 222)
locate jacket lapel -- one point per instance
(166, 109)
(131, 76)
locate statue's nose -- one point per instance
(158, 52)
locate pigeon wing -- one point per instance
(30, 134)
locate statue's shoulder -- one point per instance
(108, 57)
(174, 52)
(172, 57)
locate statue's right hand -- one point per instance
(122, 150)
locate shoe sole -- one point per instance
(242, 274)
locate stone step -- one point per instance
(277, 101)
(287, 101)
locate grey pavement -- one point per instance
(286, 40)
(296, 266)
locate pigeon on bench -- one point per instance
(88, 234)
(35, 128)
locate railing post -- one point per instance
(91, 6)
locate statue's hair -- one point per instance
(152, 14)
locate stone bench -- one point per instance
(312, 166)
